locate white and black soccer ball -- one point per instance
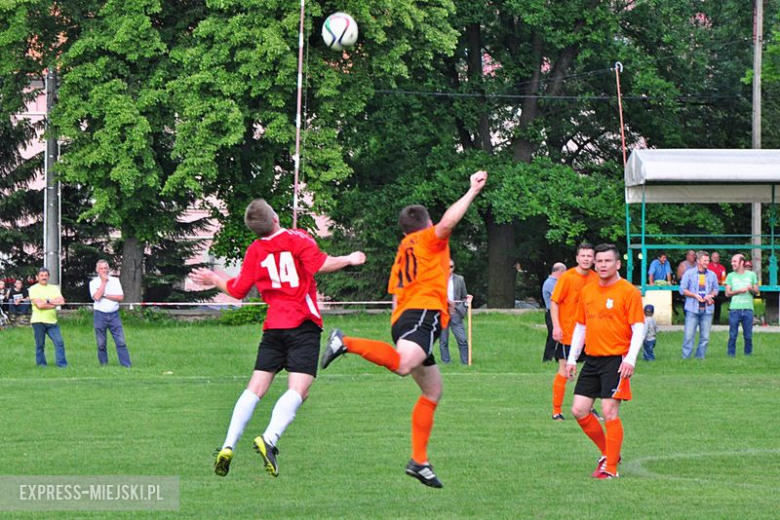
(339, 30)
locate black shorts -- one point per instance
(295, 350)
(599, 377)
(562, 352)
(419, 326)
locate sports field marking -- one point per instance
(636, 467)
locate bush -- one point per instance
(246, 315)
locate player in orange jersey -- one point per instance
(563, 306)
(611, 324)
(418, 283)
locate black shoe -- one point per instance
(333, 349)
(424, 473)
(596, 414)
(269, 454)
(558, 417)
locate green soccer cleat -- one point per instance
(222, 464)
(269, 454)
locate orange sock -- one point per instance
(422, 424)
(614, 444)
(559, 390)
(377, 352)
(592, 428)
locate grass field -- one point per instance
(702, 438)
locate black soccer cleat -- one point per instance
(596, 414)
(424, 473)
(558, 417)
(269, 454)
(333, 349)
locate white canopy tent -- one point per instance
(702, 176)
(690, 176)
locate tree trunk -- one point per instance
(502, 274)
(132, 273)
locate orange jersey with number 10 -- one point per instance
(419, 276)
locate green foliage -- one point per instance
(245, 315)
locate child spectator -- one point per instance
(650, 331)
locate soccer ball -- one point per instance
(339, 31)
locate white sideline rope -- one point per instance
(227, 304)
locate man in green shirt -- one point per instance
(741, 286)
(45, 298)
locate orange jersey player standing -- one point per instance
(418, 283)
(563, 306)
(611, 324)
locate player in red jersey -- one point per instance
(281, 264)
(418, 283)
(611, 323)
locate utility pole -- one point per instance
(758, 37)
(51, 211)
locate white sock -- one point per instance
(283, 414)
(245, 406)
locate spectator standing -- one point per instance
(45, 298)
(688, 263)
(700, 287)
(720, 271)
(741, 286)
(651, 329)
(547, 289)
(457, 297)
(659, 269)
(106, 292)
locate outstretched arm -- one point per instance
(208, 278)
(334, 263)
(455, 212)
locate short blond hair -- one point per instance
(259, 217)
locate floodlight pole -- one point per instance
(297, 157)
(758, 36)
(52, 218)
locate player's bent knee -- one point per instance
(580, 413)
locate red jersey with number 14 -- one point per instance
(282, 267)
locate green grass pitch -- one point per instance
(702, 439)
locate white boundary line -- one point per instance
(636, 467)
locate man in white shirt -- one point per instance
(107, 292)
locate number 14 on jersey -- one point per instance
(284, 273)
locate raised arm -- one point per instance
(455, 213)
(334, 263)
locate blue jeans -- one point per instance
(41, 330)
(457, 328)
(745, 317)
(113, 323)
(647, 350)
(19, 310)
(693, 320)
